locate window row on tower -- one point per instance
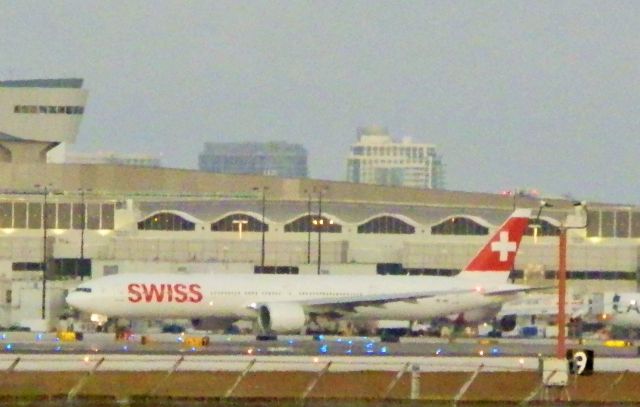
(42, 109)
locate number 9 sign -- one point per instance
(580, 361)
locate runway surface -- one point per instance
(32, 343)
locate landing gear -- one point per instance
(261, 335)
(267, 337)
(392, 334)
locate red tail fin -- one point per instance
(499, 254)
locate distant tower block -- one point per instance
(37, 115)
(376, 158)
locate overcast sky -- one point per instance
(540, 94)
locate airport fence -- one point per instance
(126, 379)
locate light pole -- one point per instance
(45, 220)
(309, 225)
(320, 225)
(83, 226)
(562, 276)
(262, 225)
(83, 223)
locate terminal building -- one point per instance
(77, 221)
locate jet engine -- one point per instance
(280, 317)
(508, 323)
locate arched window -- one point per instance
(231, 223)
(386, 224)
(544, 228)
(166, 221)
(312, 223)
(459, 225)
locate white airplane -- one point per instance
(536, 306)
(617, 308)
(544, 305)
(283, 303)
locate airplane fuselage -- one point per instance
(232, 295)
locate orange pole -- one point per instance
(562, 293)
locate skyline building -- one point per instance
(376, 158)
(279, 159)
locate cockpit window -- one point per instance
(83, 289)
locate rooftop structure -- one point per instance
(63, 83)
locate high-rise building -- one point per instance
(276, 158)
(377, 159)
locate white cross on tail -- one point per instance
(504, 246)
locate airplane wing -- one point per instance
(517, 289)
(349, 303)
(381, 299)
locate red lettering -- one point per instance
(153, 293)
(164, 293)
(196, 295)
(181, 292)
(134, 294)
